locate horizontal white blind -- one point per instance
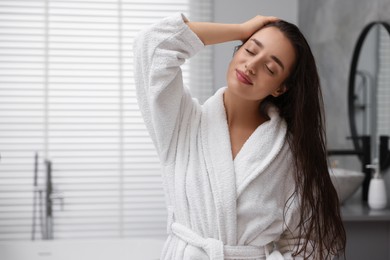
(67, 92)
(201, 65)
(22, 111)
(383, 87)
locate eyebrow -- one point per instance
(276, 59)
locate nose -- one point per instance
(249, 69)
(251, 66)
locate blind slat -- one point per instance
(67, 92)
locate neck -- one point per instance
(241, 112)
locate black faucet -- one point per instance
(384, 152)
(49, 205)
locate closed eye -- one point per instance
(250, 52)
(269, 70)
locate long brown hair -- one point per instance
(302, 107)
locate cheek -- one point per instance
(282, 79)
(279, 80)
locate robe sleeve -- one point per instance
(159, 51)
(287, 244)
(289, 240)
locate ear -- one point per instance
(280, 91)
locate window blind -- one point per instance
(67, 93)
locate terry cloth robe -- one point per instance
(218, 208)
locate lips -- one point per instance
(243, 78)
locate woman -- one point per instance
(245, 174)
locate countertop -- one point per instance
(361, 212)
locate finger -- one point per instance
(270, 19)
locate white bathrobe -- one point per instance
(218, 208)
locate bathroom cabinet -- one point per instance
(368, 232)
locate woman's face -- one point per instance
(260, 67)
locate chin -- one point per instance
(239, 91)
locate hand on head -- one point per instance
(253, 25)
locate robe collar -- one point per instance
(219, 162)
(230, 178)
(260, 150)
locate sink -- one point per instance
(346, 182)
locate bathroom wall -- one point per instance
(233, 11)
(332, 28)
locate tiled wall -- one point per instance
(383, 94)
(332, 28)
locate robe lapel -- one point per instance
(255, 156)
(260, 150)
(220, 167)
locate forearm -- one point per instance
(213, 33)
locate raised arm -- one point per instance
(159, 51)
